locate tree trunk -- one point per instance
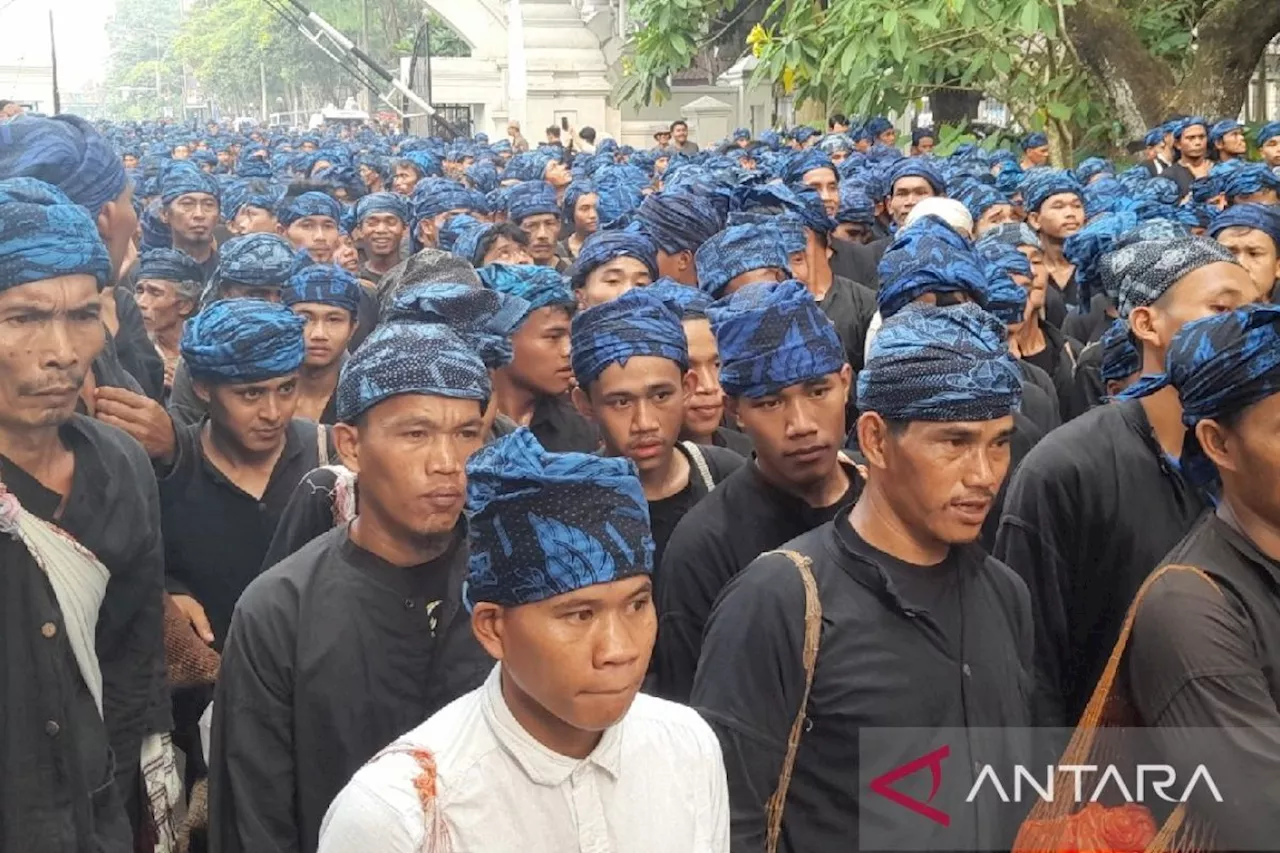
(954, 106)
(1135, 82)
(1231, 39)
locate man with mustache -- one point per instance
(81, 631)
(919, 627)
(383, 220)
(190, 209)
(327, 297)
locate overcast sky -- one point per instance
(80, 26)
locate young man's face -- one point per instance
(192, 217)
(404, 179)
(50, 333)
(504, 250)
(1248, 457)
(705, 407)
(540, 349)
(1233, 143)
(410, 452)
(1038, 156)
(1271, 152)
(1208, 290)
(542, 228)
(161, 307)
(798, 431)
(824, 182)
(254, 220)
(907, 193)
(941, 478)
(383, 233)
(372, 180)
(612, 279)
(327, 333)
(680, 134)
(1194, 142)
(1256, 252)
(1059, 216)
(925, 145)
(558, 175)
(888, 137)
(253, 414)
(639, 408)
(585, 216)
(853, 232)
(996, 214)
(130, 162)
(181, 152)
(318, 235)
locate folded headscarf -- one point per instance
(326, 284)
(483, 176)
(531, 199)
(240, 194)
(169, 265)
(309, 204)
(771, 337)
(678, 221)
(467, 244)
(243, 340)
(453, 228)
(1260, 217)
(603, 246)
(1270, 130)
(483, 319)
(1142, 272)
(619, 191)
(806, 161)
(637, 323)
(736, 250)
(545, 524)
(185, 179)
(434, 197)
(1182, 124)
(67, 152)
(940, 364)
(978, 199)
(409, 358)
(541, 287)
(254, 260)
(1005, 299)
(1091, 167)
(526, 167)
(1034, 140)
(689, 303)
(1247, 180)
(928, 257)
(916, 167)
(1086, 248)
(1219, 131)
(856, 205)
(1220, 365)
(426, 163)
(878, 125)
(1040, 184)
(44, 234)
(1013, 234)
(155, 232)
(741, 135)
(1120, 356)
(393, 203)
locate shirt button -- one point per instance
(51, 728)
(49, 630)
(262, 507)
(967, 672)
(408, 604)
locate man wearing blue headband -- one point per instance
(1252, 233)
(631, 361)
(1201, 658)
(360, 634)
(310, 222)
(902, 587)
(784, 373)
(382, 220)
(1054, 203)
(580, 201)
(1268, 140)
(190, 209)
(1035, 150)
(168, 291)
(534, 208)
(612, 263)
(1227, 139)
(560, 595)
(84, 691)
(1191, 139)
(1098, 502)
(328, 298)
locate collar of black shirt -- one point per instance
(1226, 529)
(89, 481)
(784, 502)
(410, 581)
(298, 436)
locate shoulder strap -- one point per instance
(812, 637)
(699, 463)
(322, 445)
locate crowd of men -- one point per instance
(367, 492)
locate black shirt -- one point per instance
(56, 792)
(1039, 401)
(859, 261)
(559, 427)
(1089, 513)
(1205, 654)
(885, 661)
(850, 307)
(1087, 388)
(215, 533)
(731, 439)
(332, 655)
(665, 514)
(744, 517)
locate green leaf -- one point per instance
(1061, 112)
(927, 16)
(890, 21)
(1030, 20)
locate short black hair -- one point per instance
(836, 118)
(588, 134)
(679, 123)
(554, 130)
(503, 229)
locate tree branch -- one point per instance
(1231, 39)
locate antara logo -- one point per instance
(933, 761)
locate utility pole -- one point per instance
(53, 64)
(262, 76)
(371, 97)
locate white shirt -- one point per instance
(654, 784)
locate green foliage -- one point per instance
(141, 34)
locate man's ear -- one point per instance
(202, 391)
(346, 440)
(1142, 325)
(731, 409)
(873, 435)
(689, 385)
(1033, 219)
(488, 628)
(582, 402)
(1215, 440)
(164, 213)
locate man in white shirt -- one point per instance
(556, 752)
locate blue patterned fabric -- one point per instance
(1270, 130)
(878, 125)
(736, 250)
(806, 161)
(243, 340)
(1142, 272)
(467, 245)
(43, 235)
(856, 205)
(1181, 125)
(940, 364)
(603, 246)
(619, 191)
(1091, 167)
(742, 135)
(427, 164)
(1154, 137)
(636, 323)
(1085, 248)
(1005, 298)
(1034, 140)
(1105, 195)
(572, 194)
(410, 358)
(678, 221)
(254, 260)
(1010, 234)
(1260, 217)
(483, 176)
(453, 228)
(1041, 184)
(309, 204)
(803, 134)
(531, 199)
(169, 265)
(326, 284)
(184, 179)
(434, 197)
(155, 233)
(916, 167)
(541, 287)
(375, 203)
(928, 257)
(483, 319)
(771, 337)
(531, 166)
(1247, 180)
(66, 152)
(545, 524)
(1120, 356)
(978, 199)
(689, 303)
(1219, 131)
(1220, 365)
(250, 193)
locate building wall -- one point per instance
(30, 84)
